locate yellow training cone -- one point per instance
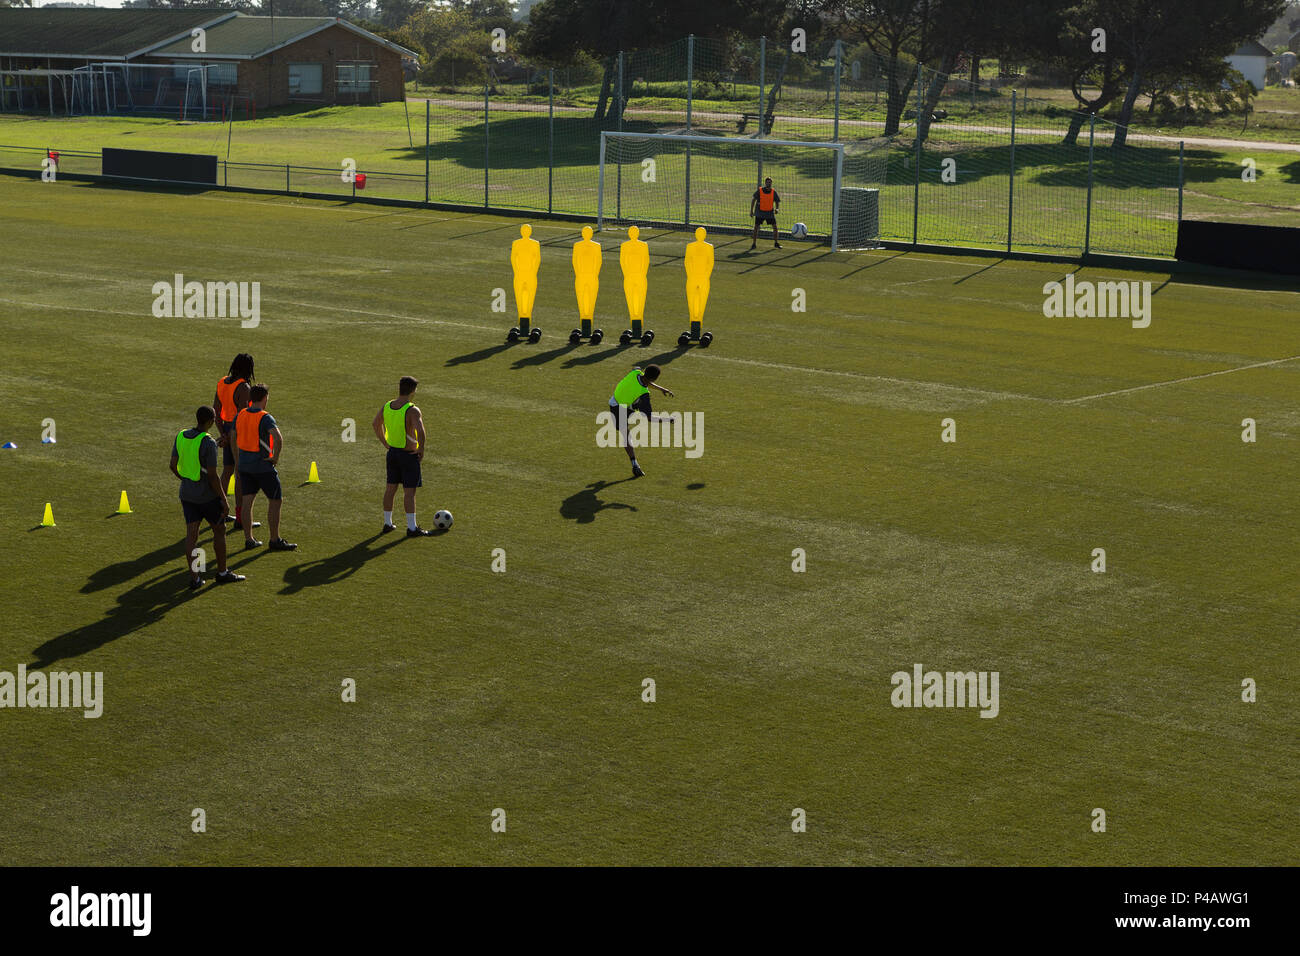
(123, 506)
(313, 476)
(48, 520)
(230, 485)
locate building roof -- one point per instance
(242, 37)
(87, 32)
(1252, 48)
(109, 34)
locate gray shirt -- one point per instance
(199, 492)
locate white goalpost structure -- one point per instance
(669, 172)
(113, 87)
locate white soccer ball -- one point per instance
(799, 231)
(442, 520)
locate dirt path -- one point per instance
(1211, 142)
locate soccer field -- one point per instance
(523, 691)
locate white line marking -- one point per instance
(878, 378)
(1177, 381)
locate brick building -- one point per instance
(78, 60)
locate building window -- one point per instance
(354, 77)
(304, 79)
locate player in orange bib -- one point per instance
(232, 395)
(763, 207)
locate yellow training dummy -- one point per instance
(525, 260)
(699, 266)
(634, 257)
(586, 277)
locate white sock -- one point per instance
(634, 464)
(388, 517)
(410, 522)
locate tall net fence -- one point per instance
(961, 158)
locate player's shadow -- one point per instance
(591, 358)
(541, 358)
(338, 567)
(587, 503)
(136, 609)
(119, 573)
(480, 355)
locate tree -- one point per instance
(1153, 38)
(558, 30)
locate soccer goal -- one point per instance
(680, 179)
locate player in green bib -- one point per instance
(194, 462)
(400, 429)
(632, 394)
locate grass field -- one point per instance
(1135, 195)
(522, 690)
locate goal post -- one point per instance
(683, 180)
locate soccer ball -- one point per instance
(799, 231)
(442, 520)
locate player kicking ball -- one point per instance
(400, 428)
(632, 394)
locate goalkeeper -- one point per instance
(763, 208)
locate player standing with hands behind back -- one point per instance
(763, 207)
(400, 428)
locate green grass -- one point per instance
(522, 690)
(1135, 210)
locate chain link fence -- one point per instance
(957, 160)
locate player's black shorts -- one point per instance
(267, 482)
(404, 468)
(641, 405)
(763, 217)
(228, 450)
(209, 511)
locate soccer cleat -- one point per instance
(250, 543)
(418, 532)
(387, 528)
(637, 472)
(753, 246)
(776, 245)
(196, 583)
(228, 577)
(238, 525)
(279, 544)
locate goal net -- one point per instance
(678, 179)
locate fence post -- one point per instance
(1180, 180)
(600, 186)
(286, 177)
(1011, 183)
(550, 165)
(427, 106)
(487, 152)
(690, 75)
(839, 64)
(916, 190)
(1087, 225)
(762, 82)
(835, 199)
(618, 203)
